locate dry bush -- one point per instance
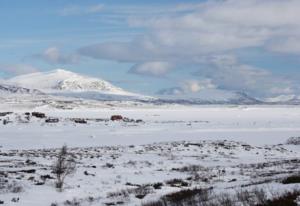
(224, 199)
(245, 197)
(291, 179)
(293, 141)
(177, 183)
(286, 199)
(74, 202)
(190, 197)
(10, 187)
(260, 195)
(64, 166)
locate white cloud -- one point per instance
(189, 87)
(78, 10)
(213, 27)
(198, 85)
(226, 73)
(209, 27)
(17, 69)
(288, 45)
(203, 34)
(171, 91)
(152, 68)
(53, 55)
(229, 74)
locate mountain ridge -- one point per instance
(68, 84)
(12, 89)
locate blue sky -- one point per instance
(165, 47)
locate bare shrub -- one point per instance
(293, 141)
(245, 197)
(157, 185)
(203, 197)
(191, 168)
(260, 195)
(15, 188)
(225, 199)
(74, 202)
(154, 203)
(189, 197)
(142, 191)
(286, 199)
(119, 195)
(139, 192)
(64, 165)
(10, 187)
(291, 179)
(177, 183)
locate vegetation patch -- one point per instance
(293, 141)
(291, 179)
(287, 199)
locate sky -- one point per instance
(165, 47)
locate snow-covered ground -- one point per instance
(255, 125)
(119, 162)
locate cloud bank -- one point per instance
(202, 34)
(53, 55)
(157, 68)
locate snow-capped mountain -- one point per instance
(61, 82)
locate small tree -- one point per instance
(64, 165)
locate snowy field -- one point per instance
(255, 125)
(154, 152)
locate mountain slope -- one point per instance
(62, 80)
(284, 99)
(12, 89)
(211, 96)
